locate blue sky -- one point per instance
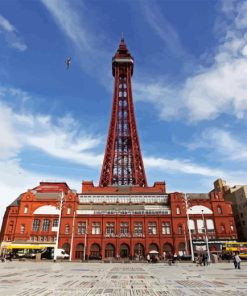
(189, 85)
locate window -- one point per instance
(219, 210)
(35, 238)
(41, 238)
(222, 227)
(138, 228)
(124, 227)
(11, 226)
(200, 226)
(178, 211)
(210, 225)
(25, 209)
(96, 228)
(36, 224)
(67, 228)
(55, 223)
(180, 229)
(110, 228)
(152, 228)
(46, 225)
(81, 227)
(22, 228)
(231, 226)
(68, 210)
(166, 228)
(191, 226)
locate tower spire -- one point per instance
(123, 164)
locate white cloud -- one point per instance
(211, 91)
(11, 35)
(223, 143)
(62, 138)
(181, 166)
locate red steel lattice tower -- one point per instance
(123, 164)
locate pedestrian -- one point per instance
(237, 261)
(205, 259)
(148, 258)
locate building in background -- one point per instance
(122, 217)
(238, 196)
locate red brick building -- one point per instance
(123, 216)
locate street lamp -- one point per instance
(188, 223)
(206, 237)
(72, 237)
(85, 242)
(58, 228)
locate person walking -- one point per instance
(237, 261)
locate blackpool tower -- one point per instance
(123, 164)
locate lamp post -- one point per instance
(188, 223)
(185, 238)
(72, 237)
(58, 228)
(85, 242)
(206, 237)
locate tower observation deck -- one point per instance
(123, 164)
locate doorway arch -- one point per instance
(153, 247)
(95, 252)
(79, 251)
(139, 251)
(66, 247)
(124, 251)
(110, 251)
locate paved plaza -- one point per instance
(65, 278)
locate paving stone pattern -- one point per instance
(121, 279)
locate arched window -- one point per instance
(219, 210)
(11, 226)
(222, 228)
(67, 228)
(178, 210)
(25, 209)
(180, 229)
(68, 210)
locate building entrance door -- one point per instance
(124, 251)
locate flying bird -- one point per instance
(68, 62)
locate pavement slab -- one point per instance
(118, 279)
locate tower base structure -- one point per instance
(116, 222)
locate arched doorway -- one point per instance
(95, 252)
(109, 251)
(168, 248)
(181, 249)
(66, 247)
(79, 251)
(124, 251)
(153, 247)
(139, 251)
